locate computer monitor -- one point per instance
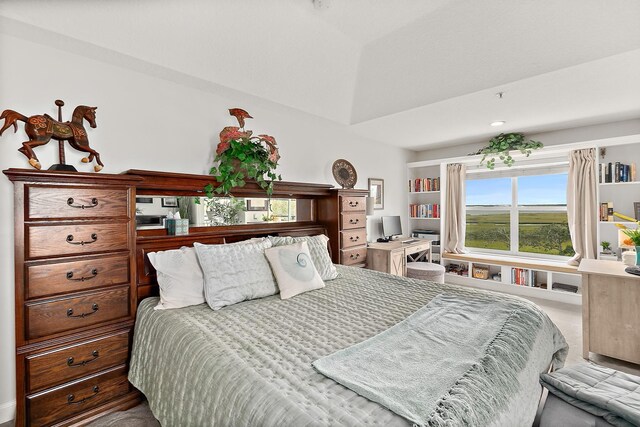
(391, 226)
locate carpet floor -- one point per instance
(567, 317)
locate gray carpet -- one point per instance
(567, 317)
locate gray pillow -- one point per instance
(235, 272)
(317, 248)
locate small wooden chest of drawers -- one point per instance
(344, 215)
(75, 302)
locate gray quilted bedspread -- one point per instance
(250, 364)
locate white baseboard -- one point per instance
(7, 411)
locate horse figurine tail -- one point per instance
(11, 118)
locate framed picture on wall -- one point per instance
(257, 204)
(169, 202)
(376, 190)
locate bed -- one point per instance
(250, 364)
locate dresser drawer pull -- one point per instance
(94, 236)
(354, 238)
(353, 204)
(354, 220)
(94, 273)
(94, 307)
(354, 256)
(94, 203)
(95, 355)
(71, 398)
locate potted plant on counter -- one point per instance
(241, 157)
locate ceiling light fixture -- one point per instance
(498, 123)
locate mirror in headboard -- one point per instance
(151, 211)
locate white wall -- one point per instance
(146, 122)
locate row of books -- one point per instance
(523, 277)
(431, 210)
(606, 211)
(420, 185)
(617, 172)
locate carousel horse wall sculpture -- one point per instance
(42, 128)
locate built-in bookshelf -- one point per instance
(535, 278)
(618, 191)
(425, 203)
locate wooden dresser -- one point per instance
(344, 215)
(74, 314)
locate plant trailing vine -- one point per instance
(501, 146)
(241, 157)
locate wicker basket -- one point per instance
(480, 272)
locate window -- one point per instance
(524, 214)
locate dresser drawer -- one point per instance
(76, 202)
(353, 204)
(55, 240)
(67, 363)
(352, 238)
(61, 277)
(354, 256)
(55, 405)
(64, 314)
(418, 248)
(353, 220)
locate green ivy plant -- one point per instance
(241, 157)
(502, 145)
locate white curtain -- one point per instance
(455, 221)
(582, 205)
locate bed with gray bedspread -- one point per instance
(250, 364)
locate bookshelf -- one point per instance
(425, 202)
(620, 195)
(534, 278)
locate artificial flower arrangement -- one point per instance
(633, 234)
(241, 156)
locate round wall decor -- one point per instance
(344, 173)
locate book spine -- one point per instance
(616, 172)
(609, 172)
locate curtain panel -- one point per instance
(455, 211)
(582, 205)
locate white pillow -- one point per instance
(294, 269)
(235, 272)
(317, 249)
(179, 277)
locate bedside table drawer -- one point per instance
(57, 278)
(353, 220)
(65, 314)
(67, 363)
(354, 256)
(80, 202)
(56, 240)
(62, 402)
(351, 204)
(353, 238)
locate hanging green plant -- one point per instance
(501, 146)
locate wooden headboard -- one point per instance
(175, 184)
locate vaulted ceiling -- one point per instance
(410, 73)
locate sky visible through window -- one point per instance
(532, 190)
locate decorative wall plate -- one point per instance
(344, 173)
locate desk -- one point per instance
(610, 315)
(391, 257)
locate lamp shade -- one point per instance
(371, 201)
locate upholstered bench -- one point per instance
(425, 271)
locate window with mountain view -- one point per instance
(519, 215)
